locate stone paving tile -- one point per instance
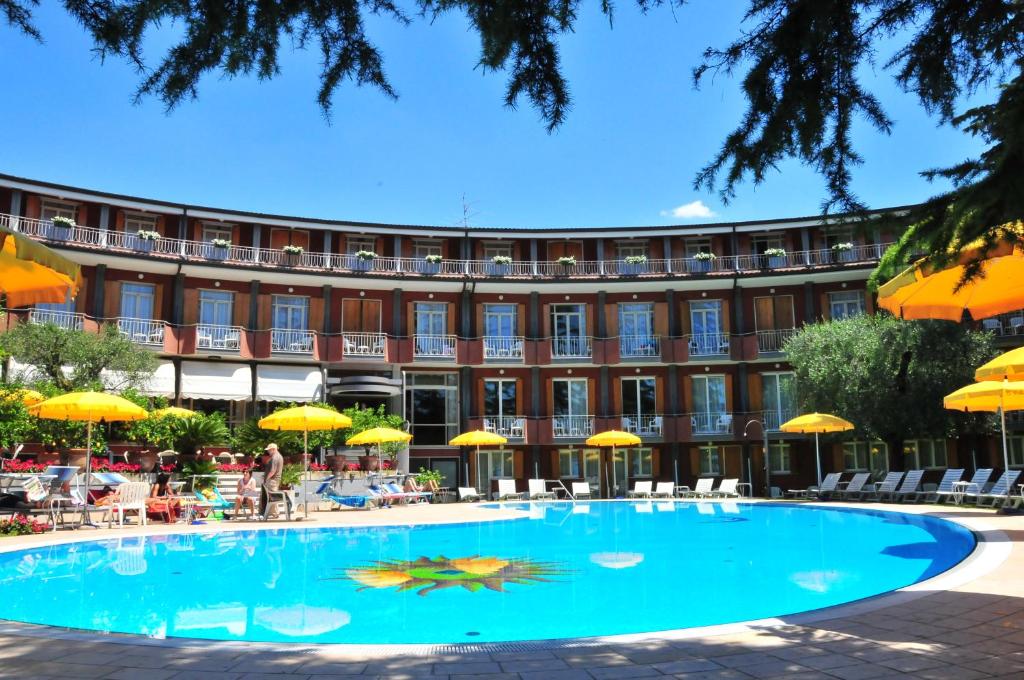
(465, 668)
(718, 674)
(205, 675)
(574, 674)
(951, 673)
(273, 676)
(912, 663)
(746, 659)
(331, 667)
(597, 660)
(859, 671)
(534, 665)
(824, 662)
(624, 672)
(140, 674)
(776, 669)
(211, 664)
(683, 666)
(67, 670)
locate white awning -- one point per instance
(288, 383)
(160, 384)
(215, 380)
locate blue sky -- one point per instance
(627, 154)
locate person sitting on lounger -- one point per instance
(247, 494)
(162, 499)
(411, 485)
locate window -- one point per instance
(1015, 451)
(697, 245)
(356, 243)
(431, 318)
(778, 457)
(626, 249)
(706, 328)
(60, 314)
(360, 315)
(640, 462)
(137, 300)
(845, 304)
(709, 405)
(215, 307)
(570, 396)
(51, 209)
(493, 464)
(862, 456)
(496, 249)
(499, 398)
(421, 248)
(591, 464)
(639, 406)
(925, 454)
(568, 463)
(135, 222)
(290, 312)
(763, 242)
(636, 329)
(569, 327)
(778, 398)
(432, 407)
(224, 232)
(500, 320)
(710, 461)
(837, 235)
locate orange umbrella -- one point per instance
(31, 273)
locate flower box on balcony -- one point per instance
(292, 255)
(499, 265)
(842, 252)
(429, 265)
(218, 249)
(776, 257)
(702, 263)
(362, 261)
(60, 228)
(634, 265)
(144, 240)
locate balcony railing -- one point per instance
(773, 340)
(1005, 325)
(183, 249)
(434, 346)
(510, 348)
(369, 345)
(66, 320)
(774, 419)
(578, 347)
(141, 331)
(510, 427)
(708, 344)
(290, 341)
(643, 425)
(215, 337)
(632, 346)
(572, 427)
(711, 423)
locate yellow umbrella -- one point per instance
(173, 411)
(31, 273)
(378, 436)
(88, 407)
(989, 397)
(478, 438)
(1008, 366)
(304, 419)
(612, 438)
(817, 423)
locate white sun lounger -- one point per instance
(945, 488)
(727, 489)
(855, 487)
(910, 486)
(885, 489)
(663, 490)
(1000, 491)
(641, 490)
(702, 488)
(507, 490)
(539, 489)
(468, 493)
(977, 484)
(581, 490)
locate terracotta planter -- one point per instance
(337, 464)
(73, 457)
(368, 463)
(148, 461)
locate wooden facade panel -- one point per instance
(111, 299)
(191, 311)
(240, 312)
(316, 314)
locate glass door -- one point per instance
(636, 330)
(620, 473)
(431, 328)
(592, 467)
(569, 328)
(709, 404)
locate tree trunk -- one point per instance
(896, 457)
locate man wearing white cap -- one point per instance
(271, 478)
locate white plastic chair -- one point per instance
(131, 497)
(641, 490)
(581, 490)
(507, 489)
(538, 489)
(664, 490)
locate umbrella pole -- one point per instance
(1002, 420)
(86, 520)
(305, 472)
(817, 457)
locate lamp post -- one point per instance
(767, 456)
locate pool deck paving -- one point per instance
(963, 625)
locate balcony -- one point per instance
(773, 420)
(142, 331)
(773, 340)
(363, 345)
(708, 344)
(434, 346)
(289, 341)
(498, 348)
(510, 427)
(639, 346)
(218, 338)
(1005, 325)
(580, 347)
(712, 423)
(572, 427)
(69, 321)
(643, 425)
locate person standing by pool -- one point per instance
(271, 476)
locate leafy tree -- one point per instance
(192, 433)
(369, 418)
(15, 422)
(250, 439)
(888, 376)
(74, 360)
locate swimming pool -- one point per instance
(568, 570)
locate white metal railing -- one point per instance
(290, 341)
(1005, 325)
(203, 250)
(67, 320)
(511, 427)
(774, 419)
(141, 331)
(434, 346)
(574, 427)
(717, 422)
(639, 346)
(212, 336)
(504, 347)
(643, 425)
(363, 344)
(708, 344)
(773, 340)
(575, 347)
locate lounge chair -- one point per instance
(885, 489)
(327, 492)
(507, 490)
(469, 494)
(396, 492)
(828, 486)
(909, 487)
(212, 499)
(664, 490)
(702, 488)
(581, 490)
(727, 489)
(976, 486)
(641, 490)
(130, 497)
(945, 488)
(854, 488)
(1000, 491)
(538, 489)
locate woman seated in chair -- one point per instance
(411, 485)
(248, 492)
(162, 500)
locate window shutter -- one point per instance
(546, 322)
(695, 461)
(240, 310)
(784, 317)
(826, 312)
(371, 316)
(611, 320)
(726, 317)
(661, 319)
(111, 299)
(756, 387)
(316, 314)
(517, 464)
(519, 396)
(655, 462)
(159, 313)
(728, 393)
(119, 220)
(616, 386)
(688, 393)
(263, 313)
(520, 320)
(869, 302)
(590, 311)
(591, 396)
(556, 470)
(191, 306)
(160, 228)
(33, 207)
(764, 314)
(82, 217)
(684, 318)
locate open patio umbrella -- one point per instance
(612, 438)
(174, 411)
(989, 397)
(1007, 366)
(818, 423)
(478, 438)
(305, 419)
(377, 436)
(88, 407)
(31, 273)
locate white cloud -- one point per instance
(689, 211)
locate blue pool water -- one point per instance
(566, 571)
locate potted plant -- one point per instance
(202, 472)
(431, 264)
(842, 252)
(144, 240)
(499, 265)
(429, 479)
(567, 262)
(363, 261)
(292, 254)
(776, 257)
(634, 264)
(703, 262)
(291, 475)
(60, 228)
(218, 249)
